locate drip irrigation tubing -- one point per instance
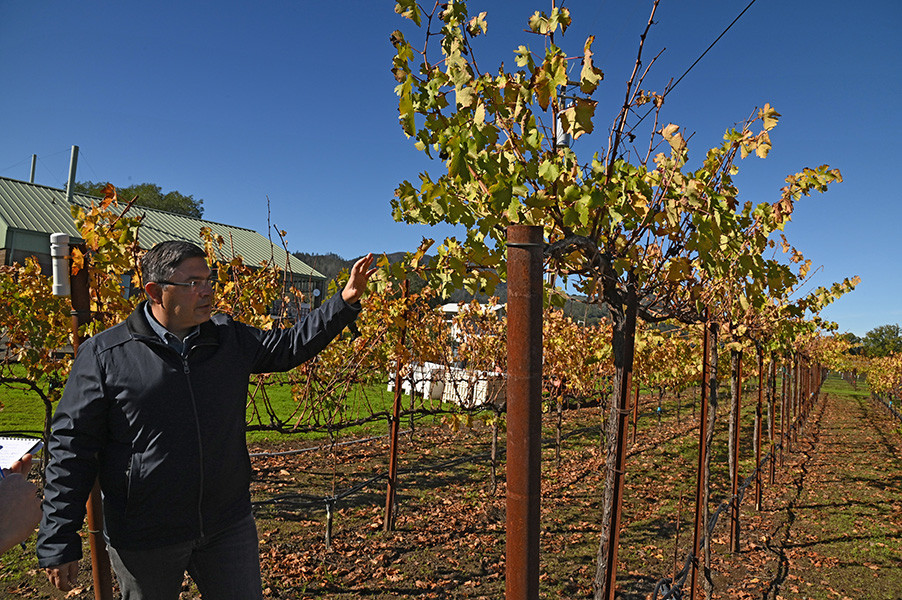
(674, 590)
(407, 414)
(889, 406)
(329, 501)
(313, 501)
(316, 501)
(282, 427)
(298, 501)
(672, 586)
(324, 446)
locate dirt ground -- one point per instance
(829, 526)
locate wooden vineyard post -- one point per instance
(784, 398)
(635, 408)
(771, 417)
(758, 430)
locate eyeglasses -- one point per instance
(194, 285)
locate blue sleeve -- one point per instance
(78, 434)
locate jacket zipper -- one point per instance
(200, 446)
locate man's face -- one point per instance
(182, 307)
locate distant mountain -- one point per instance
(329, 265)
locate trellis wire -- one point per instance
(672, 586)
(888, 405)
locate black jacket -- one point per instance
(165, 433)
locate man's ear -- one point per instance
(154, 291)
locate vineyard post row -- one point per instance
(804, 376)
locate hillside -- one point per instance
(332, 264)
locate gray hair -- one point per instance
(161, 261)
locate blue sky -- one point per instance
(291, 103)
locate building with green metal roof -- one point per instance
(29, 213)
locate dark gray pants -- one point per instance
(225, 566)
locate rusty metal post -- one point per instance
(100, 558)
(784, 393)
(676, 542)
(524, 410)
(771, 415)
(797, 400)
(734, 476)
(702, 451)
(809, 388)
(758, 429)
(635, 408)
(388, 525)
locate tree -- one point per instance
(149, 195)
(882, 341)
(640, 232)
(854, 342)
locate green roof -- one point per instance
(41, 210)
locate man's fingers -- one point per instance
(64, 577)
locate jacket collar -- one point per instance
(138, 326)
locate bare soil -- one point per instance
(830, 526)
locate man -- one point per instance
(155, 407)
(20, 508)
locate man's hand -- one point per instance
(64, 577)
(360, 275)
(20, 508)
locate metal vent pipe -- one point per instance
(73, 165)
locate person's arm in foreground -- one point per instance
(20, 508)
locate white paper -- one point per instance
(12, 449)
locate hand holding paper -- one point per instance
(20, 508)
(13, 450)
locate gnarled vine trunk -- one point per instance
(623, 344)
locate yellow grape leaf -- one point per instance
(769, 116)
(479, 116)
(78, 260)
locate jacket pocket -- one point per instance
(135, 492)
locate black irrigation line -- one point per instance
(22, 432)
(311, 501)
(330, 501)
(298, 501)
(323, 446)
(673, 589)
(373, 418)
(376, 417)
